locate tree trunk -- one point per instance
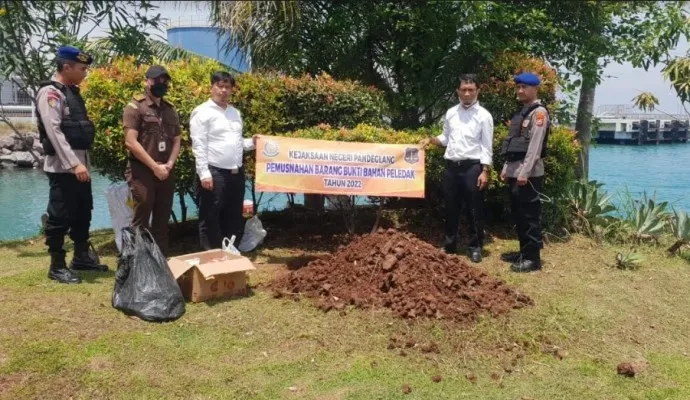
(583, 123)
(183, 206)
(255, 205)
(379, 214)
(193, 196)
(290, 200)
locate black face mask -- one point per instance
(159, 89)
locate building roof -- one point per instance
(191, 22)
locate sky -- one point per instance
(620, 84)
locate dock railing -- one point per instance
(188, 22)
(625, 111)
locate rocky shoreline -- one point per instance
(23, 151)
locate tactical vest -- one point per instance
(76, 126)
(515, 146)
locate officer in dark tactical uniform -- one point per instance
(524, 150)
(67, 135)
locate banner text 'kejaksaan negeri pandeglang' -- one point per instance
(339, 169)
(336, 170)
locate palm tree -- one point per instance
(646, 101)
(677, 71)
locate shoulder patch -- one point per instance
(53, 93)
(540, 117)
(139, 97)
(53, 101)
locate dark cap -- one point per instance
(156, 71)
(72, 53)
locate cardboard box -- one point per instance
(211, 280)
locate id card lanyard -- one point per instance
(162, 136)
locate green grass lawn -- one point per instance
(60, 342)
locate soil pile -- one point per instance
(396, 270)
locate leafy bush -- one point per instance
(680, 228)
(648, 221)
(589, 206)
(269, 103)
(629, 259)
(497, 89)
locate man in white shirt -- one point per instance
(468, 131)
(218, 147)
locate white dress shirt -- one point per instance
(468, 134)
(216, 134)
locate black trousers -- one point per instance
(69, 210)
(220, 209)
(526, 209)
(461, 191)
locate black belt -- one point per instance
(231, 171)
(462, 163)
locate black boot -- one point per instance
(86, 259)
(450, 245)
(511, 257)
(526, 265)
(476, 254)
(59, 271)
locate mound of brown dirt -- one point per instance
(396, 270)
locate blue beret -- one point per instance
(74, 54)
(527, 78)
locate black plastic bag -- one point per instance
(144, 285)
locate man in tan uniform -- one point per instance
(524, 150)
(67, 134)
(152, 135)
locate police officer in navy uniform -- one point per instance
(524, 150)
(67, 134)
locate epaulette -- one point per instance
(139, 97)
(54, 86)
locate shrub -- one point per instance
(589, 207)
(680, 228)
(269, 103)
(560, 162)
(629, 259)
(648, 221)
(497, 89)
